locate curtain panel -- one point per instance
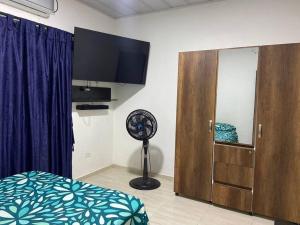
(35, 98)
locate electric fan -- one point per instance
(141, 125)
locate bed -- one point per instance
(39, 198)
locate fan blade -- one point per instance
(134, 131)
(135, 119)
(149, 126)
(148, 131)
(138, 121)
(133, 124)
(145, 120)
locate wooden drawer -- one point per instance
(233, 175)
(235, 155)
(232, 197)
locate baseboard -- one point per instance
(94, 172)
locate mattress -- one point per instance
(39, 198)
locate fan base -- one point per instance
(144, 184)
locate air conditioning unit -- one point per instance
(38, 7)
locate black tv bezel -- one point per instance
(144, 76)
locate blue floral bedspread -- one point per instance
(39, 198)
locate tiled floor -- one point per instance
(164, 208)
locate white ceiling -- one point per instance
(122, 8)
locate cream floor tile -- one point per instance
(262, 221)
(164, 208)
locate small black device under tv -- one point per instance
(109, 58)
(90, 94)
(91, 107)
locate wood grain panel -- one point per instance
(232, 197)
(234, 175)
(195, 107)
(240, 156)
(277, 169)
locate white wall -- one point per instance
(236, 90)
(223, 24)
(220, 24)
(93, 130)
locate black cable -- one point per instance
(56, 7)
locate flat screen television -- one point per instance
(109, 58)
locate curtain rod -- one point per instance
(18, 20)
(15, 18)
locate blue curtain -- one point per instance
(35, 98)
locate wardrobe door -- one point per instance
(277, 161)
(195, 114)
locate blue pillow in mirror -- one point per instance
(225, 132)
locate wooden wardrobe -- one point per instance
(263, 179)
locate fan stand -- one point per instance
(145, 182)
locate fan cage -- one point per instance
(141, 124)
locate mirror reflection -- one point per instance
(236, 95)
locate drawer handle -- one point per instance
(210, 125)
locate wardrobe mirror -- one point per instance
(236, 95)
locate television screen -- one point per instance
(109, 58)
